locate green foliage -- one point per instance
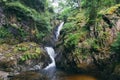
(69, 27)
(28, 56)
(92, 42)
(22, 33)
(39, 5)
(98, 3)
(4, 33)
(24, 10)
(75, 30)
(110, 10)
(87, 47)
(65, 13)
(72, 39)
(116, 45)
(92, 7)
(39, 35)
(75, 35)
(22, 49)
(28, 51)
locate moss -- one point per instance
(110, 10)
(24, 21)
(26, 50)
(12, 55)
(31, 51)
(24, 9)
(4, 33)
(28, 56)
(77, 38)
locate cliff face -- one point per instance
(90, 50)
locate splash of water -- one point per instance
(51, 53)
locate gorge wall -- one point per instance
(90, 50)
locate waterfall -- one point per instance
(50, 50)
(51, 53)
(57, 31)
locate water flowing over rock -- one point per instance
(57, 31)
(51, 53)
(50, 50)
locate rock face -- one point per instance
(22, 57)
(90, 51)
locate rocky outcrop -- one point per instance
(23, 57)
(90, 51)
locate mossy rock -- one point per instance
(20, 54)
(29, 12)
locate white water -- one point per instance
(51, 51)
(57, 33)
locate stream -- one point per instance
(55, 74)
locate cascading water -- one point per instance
(56, 74)
(50, 50)
(51, 53)
(57, 32)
